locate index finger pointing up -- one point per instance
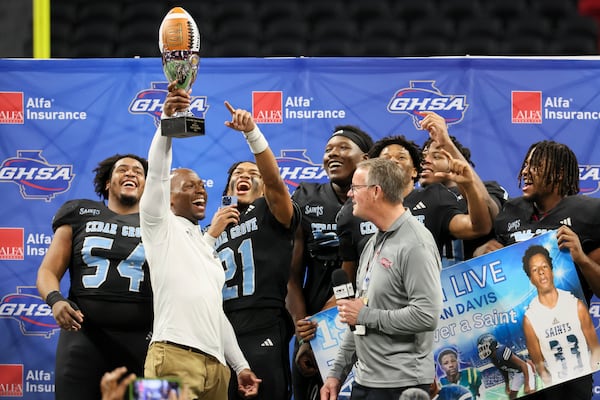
(229, 107)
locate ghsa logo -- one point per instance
(424, 96)
(29, 310)
(150, 102)
(36, 178)
(589, 179)
(295, 167)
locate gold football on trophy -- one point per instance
(178, 32)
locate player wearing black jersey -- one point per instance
(256, 250)
(517, 372)
(353, 234)
(353, 231)
(435, 162)
(316, 251)
(435, 205)
(494, 194)
(549, 178)
(107, 318)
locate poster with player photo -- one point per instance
(499, 349)
(518, 317)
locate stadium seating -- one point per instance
(125, 28)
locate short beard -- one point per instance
(128, 201)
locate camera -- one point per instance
(154, 389)
(229, 201)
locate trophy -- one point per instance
(179, 43)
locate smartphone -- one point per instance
(229, 201)
(155, 389)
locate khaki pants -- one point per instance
(202, 376)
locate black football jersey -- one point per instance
(435, 206)
(353, 233)
(108, 263)
(319, 206)
(256, 254)
(518, 222)
(499, 195)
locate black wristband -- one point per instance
(54, 297)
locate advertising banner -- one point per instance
(59, 118)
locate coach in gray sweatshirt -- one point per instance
(398, 293)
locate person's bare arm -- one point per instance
(276, 192)
(295, 302)
(304, 328)
(438, 131)
(487, 247)
(350, 268)
(535, 351)
(477, 222)
(52, 269)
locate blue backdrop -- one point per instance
(58, 118)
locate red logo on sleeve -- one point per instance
(526, 107)
(11, 380)
(11, 243)
(267, 107)
(11, 108)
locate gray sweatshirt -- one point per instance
(399, 275)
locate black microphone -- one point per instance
(342, 288)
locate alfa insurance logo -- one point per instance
(267, 107)
(12, 243)
(526, 107)
(11, 380)
(11, 108)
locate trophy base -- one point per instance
(182, 127)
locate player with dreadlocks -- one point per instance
(549, 179)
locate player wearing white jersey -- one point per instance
(558, 329)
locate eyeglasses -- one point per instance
(354, 188)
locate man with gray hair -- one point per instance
(398, 297)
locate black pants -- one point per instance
(83, 357)
(576, 389)
(305, 388)
(267, 351)
(360, 392)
